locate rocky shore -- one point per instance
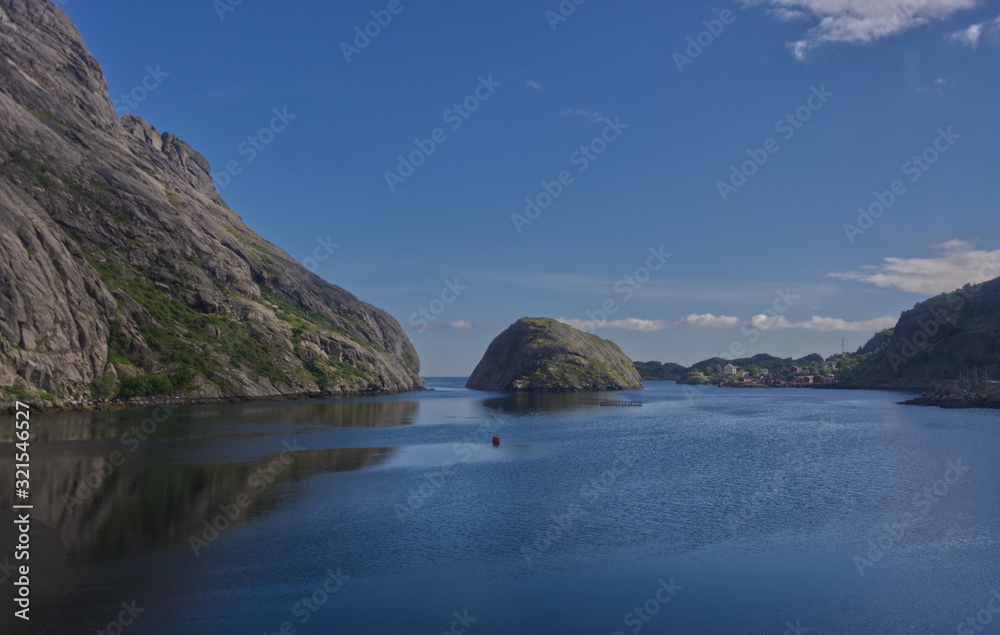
(951, 396)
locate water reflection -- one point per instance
(123, 483)
(101, 511)
(531, 402)
(339, 413)
(671, 513)
(213, 420)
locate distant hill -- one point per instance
(951, 337)
(939, 339)
(813, 363)
(657, 371)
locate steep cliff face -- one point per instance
(939, 338)
(122, 270)
(543, 355)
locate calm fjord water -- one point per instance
(704, 511)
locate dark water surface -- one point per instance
(704, 511)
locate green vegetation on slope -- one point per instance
(542, 354)
(180, 338)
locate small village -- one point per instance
(732, 376)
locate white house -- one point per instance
(729, 370)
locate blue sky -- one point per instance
(645, 148)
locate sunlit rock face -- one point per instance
(119, 258)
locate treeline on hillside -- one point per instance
(812, 364)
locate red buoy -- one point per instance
(496, 439)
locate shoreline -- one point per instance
(943, 395)
(108, 405)
(926, 395)
(915, 388)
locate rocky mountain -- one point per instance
(543, 355)
(941, 338)
(123, 273)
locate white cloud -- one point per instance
(859, 21)
(592, 117)
(773, 323)
(970, 36)
(789, 15)
(628, 324)
(955, 264)
(822, 324)
(533, 84)
(707, 320)
(638, 325)
(457, 325)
